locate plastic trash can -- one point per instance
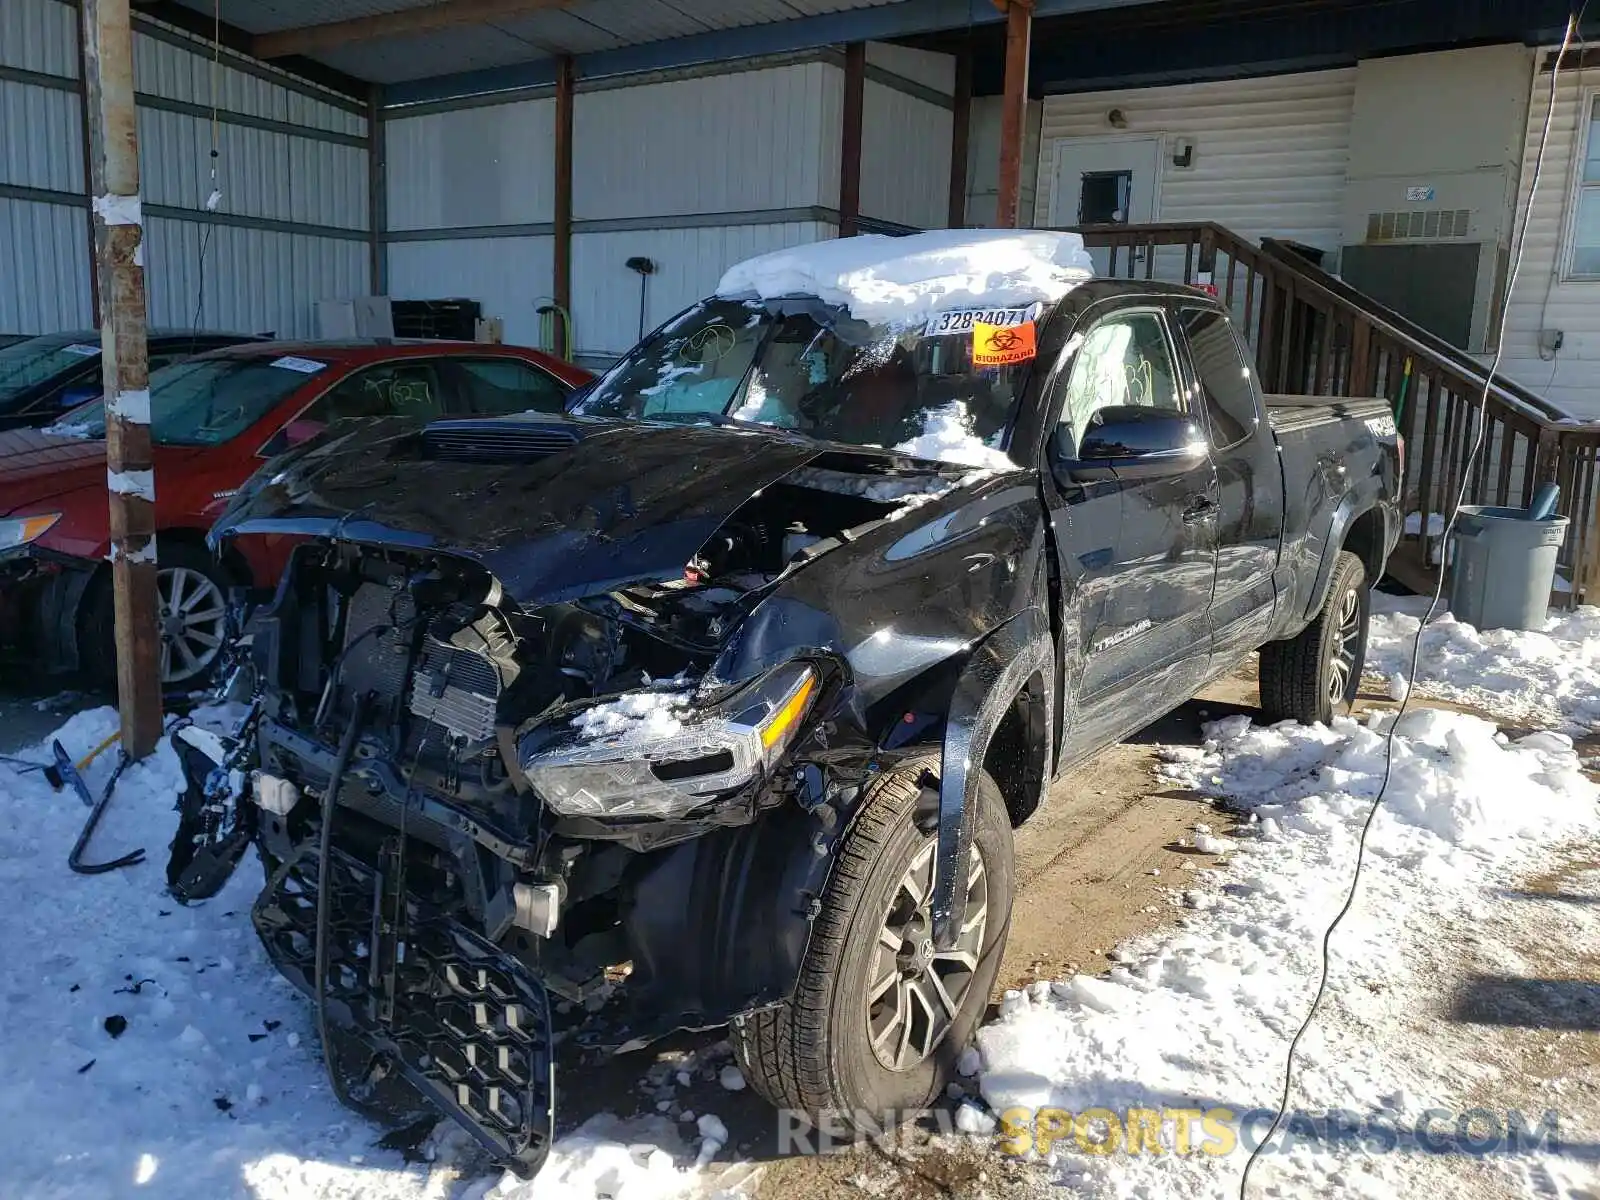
(1504, 567)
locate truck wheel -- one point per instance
(1315, 677)
(878, 1017)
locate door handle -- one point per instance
(1201, 508)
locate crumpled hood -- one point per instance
(554, 508)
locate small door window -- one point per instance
(1125, 360)
(397, 389)
(499, 386)
(1104, 197)
(1231, 413)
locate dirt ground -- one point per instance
(1095, 866)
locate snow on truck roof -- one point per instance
(890, 280)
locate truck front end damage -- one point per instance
(468, 800)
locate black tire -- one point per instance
(1315, 677)
(97, 642)
(814, 1053)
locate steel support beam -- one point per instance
(1014, 113)
(960, 139)
(855, 96)
(561, 251)
(130, 474)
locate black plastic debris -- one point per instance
(74, 987)
(271, 1025)
(256, 1037)
(223, 1103)
(182, 958)
(115, 1024)
(87, 1065)
(133, 989)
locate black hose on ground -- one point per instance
(330, 800)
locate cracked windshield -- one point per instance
(810, 368)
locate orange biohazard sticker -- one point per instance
(1003, 345)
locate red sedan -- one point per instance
(214, 420)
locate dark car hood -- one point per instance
(555, 508)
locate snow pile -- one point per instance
(948, 436)
(152, 1049)
(1199, 1017)
(1548, 677)
(890, 280)
(635, 717)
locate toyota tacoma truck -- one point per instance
(743, 670)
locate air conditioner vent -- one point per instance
(1418, 224)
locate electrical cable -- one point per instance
(1574, 21)
(330, 805)
(215, 195)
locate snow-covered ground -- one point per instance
(151, 1050)
(1551, 677)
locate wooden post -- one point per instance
(1014, 115)
(561, 283)
(108, 57)
(855, 98)
(960, 138)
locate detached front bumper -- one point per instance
(466, 1025)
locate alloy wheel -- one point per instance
(916, 990)
(192, 611)
(1342, 665)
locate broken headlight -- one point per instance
(672, 759)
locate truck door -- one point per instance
(1250, 484)
(1137, 555)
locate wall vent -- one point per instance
(1418, 224)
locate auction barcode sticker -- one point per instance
(306, 366)
(962, 320)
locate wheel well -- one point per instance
(1017, 751)
(1365, 539)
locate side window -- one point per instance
(1125, 361)
(404, 389)
(1224, 376)
(497, 386)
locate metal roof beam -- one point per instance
(310, 39)
(878, 23)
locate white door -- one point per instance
(1101, 181)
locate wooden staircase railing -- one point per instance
(1314, 334)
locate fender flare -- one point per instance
(1344, 516)
(997, 670)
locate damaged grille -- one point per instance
(467, 1024)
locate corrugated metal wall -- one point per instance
(310, 187)
(44, 247)
(473, 166)
(1544, 298)
(689, 264)
(1270, 153)
(723, 143)
(905, 158)
(693, 173)
(509, 276)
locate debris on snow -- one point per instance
(1398, 688)
(972, 1119)
(731, 1078)
(1199, 1016)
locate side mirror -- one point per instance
(1132, 442)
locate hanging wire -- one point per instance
(1519, 245)
(214, 195)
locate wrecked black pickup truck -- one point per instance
(743, 671)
